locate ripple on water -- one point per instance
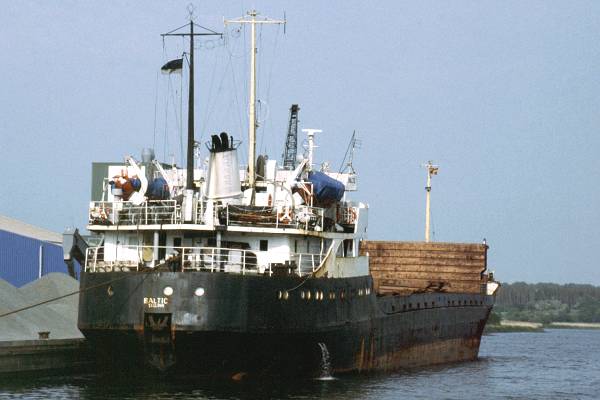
(563, 364)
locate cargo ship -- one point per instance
(264, 269)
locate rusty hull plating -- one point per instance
(261, 325)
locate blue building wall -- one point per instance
(19, 258)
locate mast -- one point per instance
(431, 170)
(189, 184)
(191, 142)
(252, 110)
(252, 106)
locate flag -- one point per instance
(172, 66)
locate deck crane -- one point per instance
(291, 142)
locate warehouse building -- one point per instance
(28, 252)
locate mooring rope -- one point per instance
(67, 295)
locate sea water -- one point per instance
(555, 364)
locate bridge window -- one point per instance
(348, 248)
(264, 245)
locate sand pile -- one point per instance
(58, 317)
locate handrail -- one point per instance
(213, 259)
(127, 213)
(169, 212)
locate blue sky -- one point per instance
(503, 95)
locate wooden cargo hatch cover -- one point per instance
(411, 267)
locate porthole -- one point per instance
(425, 305)
(109, 291)
(280, 295)
(286, 295)
(409, 305)
(418, 305)
(302, 295)
(168, 291)
(199, 292)
(308, 295)
(342, 295)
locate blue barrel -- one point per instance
(158, 189)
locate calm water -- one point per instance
(556, 364)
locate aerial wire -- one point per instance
(155, 109)
(181, 107)
(6, 314)
(209, 98)
(346, 154)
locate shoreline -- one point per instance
(527, 326)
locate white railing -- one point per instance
(126, 213)
(169, 212)
(213, 259)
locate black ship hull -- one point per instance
(243, 324)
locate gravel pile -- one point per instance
(58, 317)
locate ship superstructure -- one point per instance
(296, 220)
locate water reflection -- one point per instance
(554, 364)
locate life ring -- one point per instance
(285, 216)
(351, 215)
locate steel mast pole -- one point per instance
(187, 207)
(190, 147)
(431, 170)
(252, 108)
(253, 21)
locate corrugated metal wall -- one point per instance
(19, 258)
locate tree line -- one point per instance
(549, 302)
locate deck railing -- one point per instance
(213, 259)
(153, 212)
(126, 213)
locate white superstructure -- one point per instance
(284, 226)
